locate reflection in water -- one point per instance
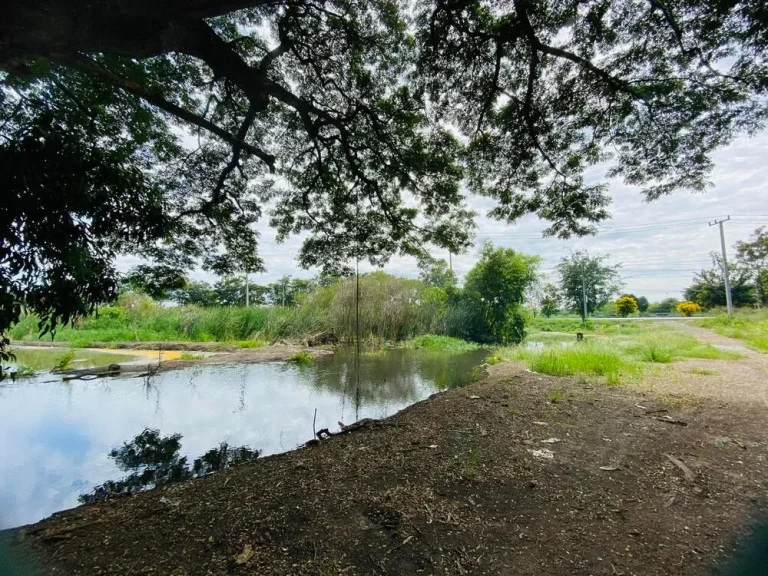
(154, 461)
(57, 437)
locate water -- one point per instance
(57, 436)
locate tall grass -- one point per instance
(593, 358)
(614, 357)
(750, 326)
(391, 309)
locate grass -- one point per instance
(593, 358)
(189, 356)
(440, 343)
(666, 347)
(749, 326)
(302, 358)
(58, 359)
(702, 371)
(613, 357)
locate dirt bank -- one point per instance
(490, 479)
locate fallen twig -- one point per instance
(679, 463)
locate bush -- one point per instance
(625, 306)
(688, 308)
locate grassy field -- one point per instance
(751, 326)
(612, 351)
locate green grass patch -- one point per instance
(302, 358)
(702, 372)
(666, 347)
(440, 343)
(592, 358)
(190, 356)
(614, 354)
(749, 326)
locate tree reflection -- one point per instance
(153, 460)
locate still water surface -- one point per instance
(56, 436)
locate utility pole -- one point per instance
(584, 295)
(725, 264)
(246, 288)
(450, 260)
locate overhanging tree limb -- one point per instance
(93, 68)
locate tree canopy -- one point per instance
(752, 257)
(708, 287)
(166, 129)
(591, 276)
(499, 282)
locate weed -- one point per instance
(751, 326)
(436, 342)
(303, 358)
(189, 356)
(471, 465)
(557, 395)
(702, 371)
(21, 371)
(62, 362)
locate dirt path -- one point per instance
(743, 381)
(490, 479)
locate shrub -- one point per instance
(688, 308)
(625, 306)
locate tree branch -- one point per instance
(93, 68)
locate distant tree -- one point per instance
(498, 283)
(436, 273)
(288, 291)
(581, 273)
(688, 308)
(230, 291)
(666, 306)
(708, 288)
(155, 281)
(752, 256)
(550, 300)
(626, 305)
(642, 304)
(196, 292)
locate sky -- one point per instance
(660, 245)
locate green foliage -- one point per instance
(550, 300)
(62, 362)
(189, 356)
(666, 306)
(498, 283)
(439, 343)
(752, 257)
(303, 358)
(596, 359)
(22, 371)
(155, 281)
(582, 274)
(436, 273)
(642, 304)
(626, 305)
(708, 288)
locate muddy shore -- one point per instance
(494, 478)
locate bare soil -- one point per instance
(494, 478)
